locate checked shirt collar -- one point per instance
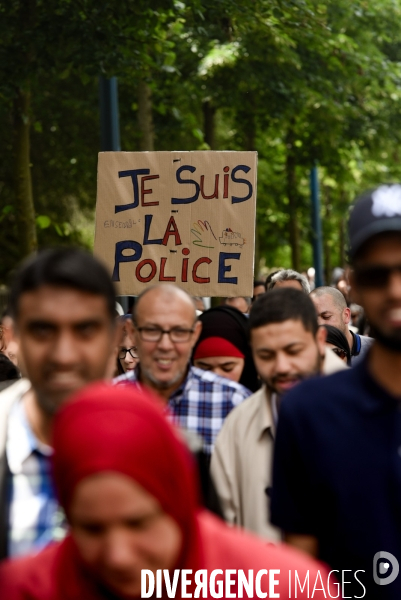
(176, 396)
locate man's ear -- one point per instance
(346, 315)
(196, 333)
(321, 335)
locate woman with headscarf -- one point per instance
(126, 483)
(223, 346)
(338, 343)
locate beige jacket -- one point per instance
(242, 459)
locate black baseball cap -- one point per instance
(375, 211)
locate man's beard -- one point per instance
(161, 385)
(50, 405)
(391, 341)
(316, 370)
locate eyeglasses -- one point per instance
(123, 352)
(374, 276)
(340, 353)
(177, 335)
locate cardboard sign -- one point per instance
(186, 218)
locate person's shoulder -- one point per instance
(246, 411)
(366, 340)
(13, 392)
(321, 391)
(129, 377)
(8, 398)
(243, 424)
(220, 383)
(235, 545)
(19, 576)
(230, 547)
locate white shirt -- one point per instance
(35, 518)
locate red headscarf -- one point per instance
(124, 429)
(216, 346)
(120, 429)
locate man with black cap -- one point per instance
(337, 467)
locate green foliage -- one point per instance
(297, 80)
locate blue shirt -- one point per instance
(201, 403)
(337, 473)
(360, 347)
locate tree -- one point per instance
(41, 42)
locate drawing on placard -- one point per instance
(231, 238)
(198, 229)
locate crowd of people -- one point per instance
(260, 435)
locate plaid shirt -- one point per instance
(201, 403)
(35, 518)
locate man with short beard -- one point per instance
(63, 307)
(165, 332)
(337, 468)
(287, 347)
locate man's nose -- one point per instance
(165, 342)
(282, 364)
(394, 284)
(64, 351)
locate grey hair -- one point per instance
(338, 297)
(247, 299)
(288, 275)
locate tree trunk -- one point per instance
(292, 194)
(145, 117)
(343, 261)
(327, 247)
(256, 267)
(250, 146)
(344, 205)
(25, 210)
(208, 120)
(247, 123)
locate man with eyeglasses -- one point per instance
(165, 331)
(337, 464)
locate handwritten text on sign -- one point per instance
(181, 217)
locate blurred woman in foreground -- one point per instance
(126, 483)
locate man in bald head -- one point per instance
(332, 309)
(166, 330)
